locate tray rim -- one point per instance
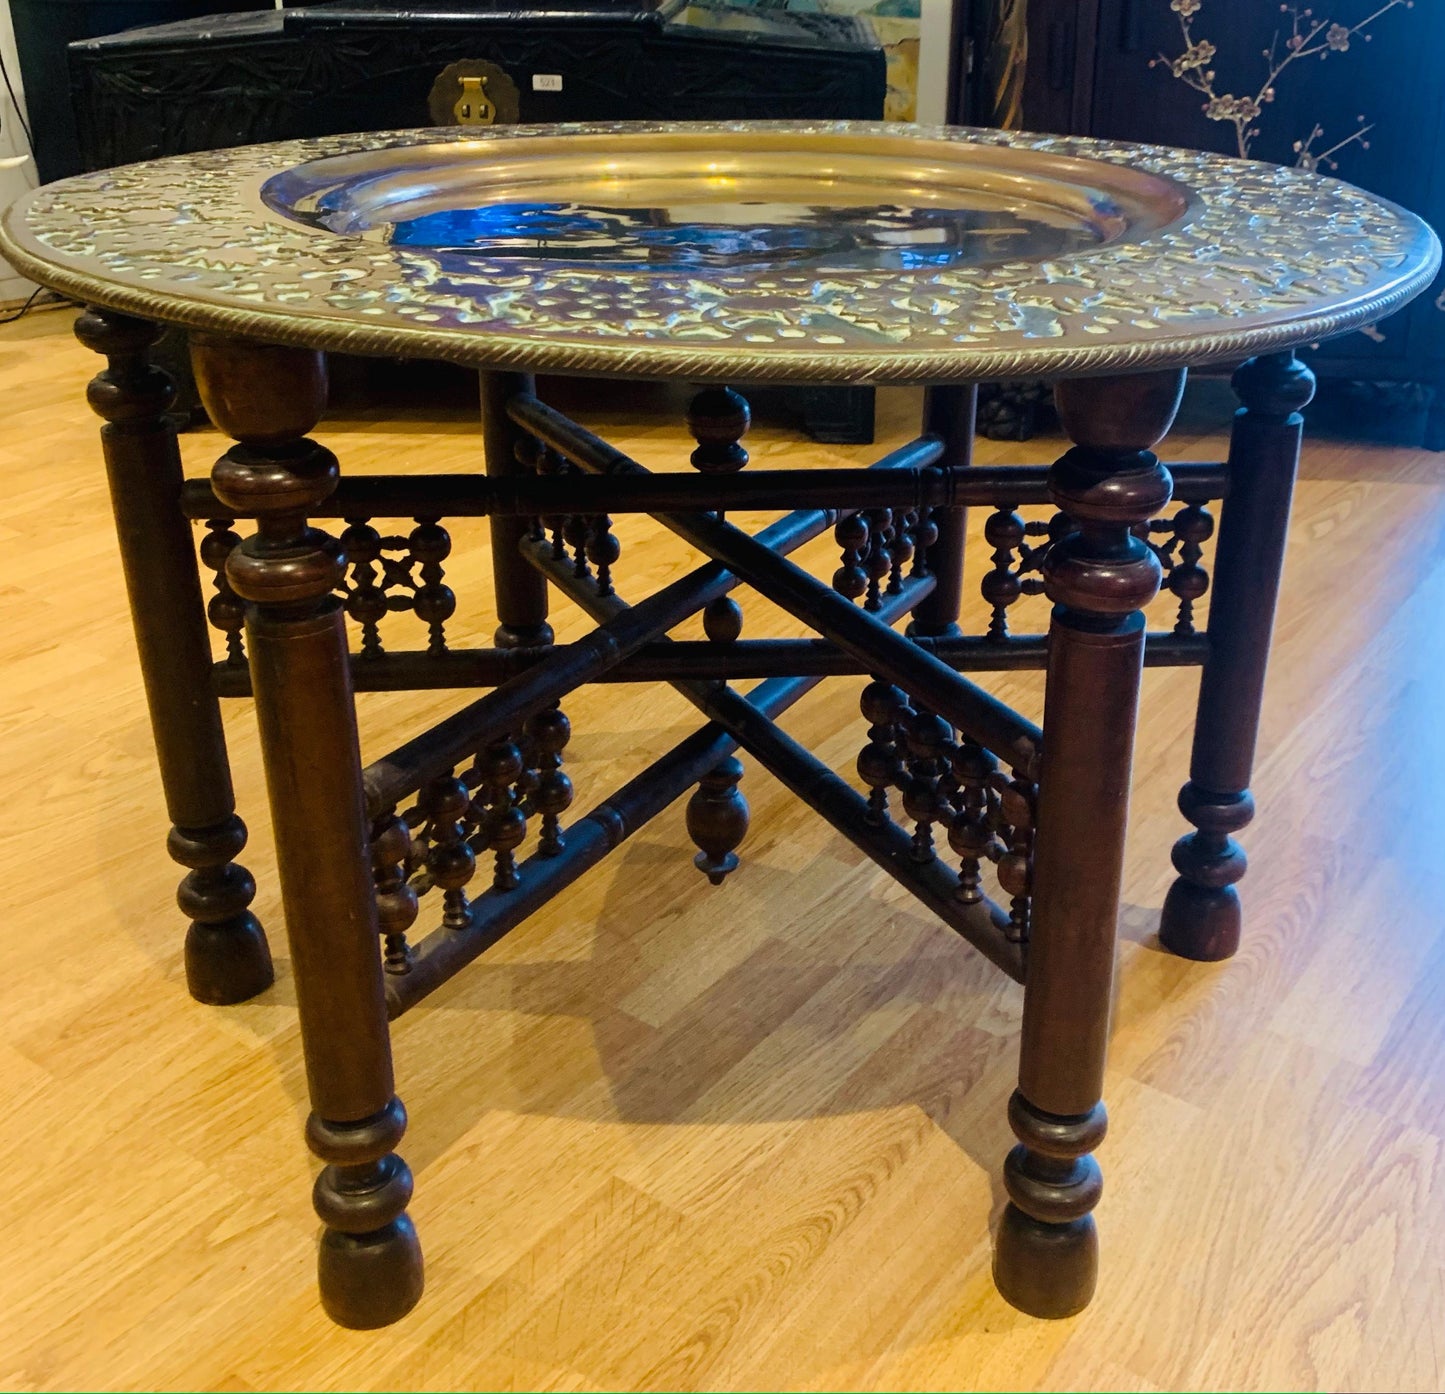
(804, 362)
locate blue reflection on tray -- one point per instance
(742, 234)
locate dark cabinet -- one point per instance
(327, 69)
(43, 28)
(1090, 73)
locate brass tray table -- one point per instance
(724, 255)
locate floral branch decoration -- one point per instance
(1307, 37)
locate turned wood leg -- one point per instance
(520, 588)
(717, 813)
(227, 959)
(1099, 578)
(949, 413)
(267, 399)
(1201, 918)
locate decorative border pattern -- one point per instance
(1272, 259)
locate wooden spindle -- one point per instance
(450, 860)
(549, 731)
(521, 591)
(852, 535)
(880, 763)
(396, 902)
(971, 831)
(434, 601)
(503, 825)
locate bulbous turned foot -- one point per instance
(227, 957)
(1046, 1271)
(1202, 915)
(369, 1262)
(229, 962)
(370, 1280)
(1202, 923)
(1046, 1259)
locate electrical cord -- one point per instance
(30, 304)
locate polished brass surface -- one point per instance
(474, 107)
(750, 251)
(900, 203)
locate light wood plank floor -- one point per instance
(671, 1137)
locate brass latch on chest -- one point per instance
(473, 92)
(474, 107)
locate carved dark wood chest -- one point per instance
(331, 69)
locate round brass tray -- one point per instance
(840, 252)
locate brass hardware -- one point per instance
(474, 93)
(474, 107)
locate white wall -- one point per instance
(13, 182)
(934, 23)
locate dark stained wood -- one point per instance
(227, 958)
(905, 478)
(411, 670)
(446, 744)
(750, 720)
(926, 737)
(397, 904)
(865, 636)
(979, 922)
(504, 825)
(1116, 414)
(949, 413)
(267, 396)
(852, 535)
(1047, 807)
(369, 1262)
(548, 731)
(1099, 578)
(970, 829)
(521, 593)
(1202, 914)
(451, 861)
(718, 419)
(880, 762)
(589, 839)
(722, 622)
(717, 820)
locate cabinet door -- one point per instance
(1389, 79)
(1059, 89)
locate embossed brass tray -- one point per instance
(693, 199)
(842, 252)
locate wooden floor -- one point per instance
(672, 1137)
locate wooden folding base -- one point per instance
(360, 848)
